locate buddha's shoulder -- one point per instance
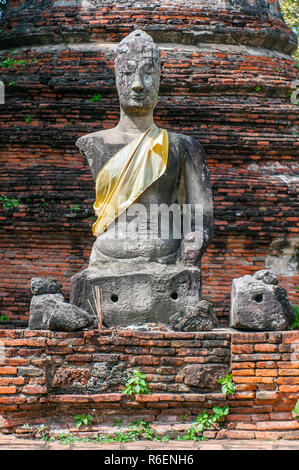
(185, 141)
(110, 137)
(102, 136)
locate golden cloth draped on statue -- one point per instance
(128, 174)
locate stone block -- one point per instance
(204, 377)
(259, 304)
(41, 285)
(149, 293)
(199, 318)
(50, 311)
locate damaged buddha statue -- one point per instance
(153, 204)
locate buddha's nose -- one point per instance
(137, 84)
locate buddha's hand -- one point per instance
(192, 248)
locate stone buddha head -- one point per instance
(137, 71)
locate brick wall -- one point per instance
(265, 368)
(48, 377)
(226, 76)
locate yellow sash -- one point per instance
(128, 174)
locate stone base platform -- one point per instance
(49, 377)
(134, 296)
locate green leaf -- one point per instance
(136, 384)
(217, 410)
(199, 427)
(295, 325)
(228, 386)
(4, 319)
(96, 98)
(296, 409)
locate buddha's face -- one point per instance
(137, 82)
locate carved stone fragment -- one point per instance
(200, 318)
(259, 304)
(50, 311)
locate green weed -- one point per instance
(83, 420)
(203, 422)
(136, 384)
(4, 319)
(295, 325)
(9, 203)
(96, 98)
(228, 386)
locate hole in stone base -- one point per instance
(258, 298)
(114, 298)
(174, 295)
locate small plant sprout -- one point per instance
(9, 202)
(83, 420)
(295, 325)
(118, 423)
(136, 384)
(184, 417)
(219, 414)
(28, 119)
(11, 62)
(26, 426)
(96, 98)
(227, 385)
(137, 431)
(205, 421)
(4, 319)
(295, 411)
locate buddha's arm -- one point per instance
(198, 192)
(90, 153)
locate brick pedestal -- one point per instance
(226, 81)
(47, 378)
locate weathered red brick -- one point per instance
(266, 372)
(8, 390)
(242, 348)
(265, 348)
(289, 388)
(249, 338)
(34, 390)
(277, 425)
(7, 370)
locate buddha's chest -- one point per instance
(163, 190)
